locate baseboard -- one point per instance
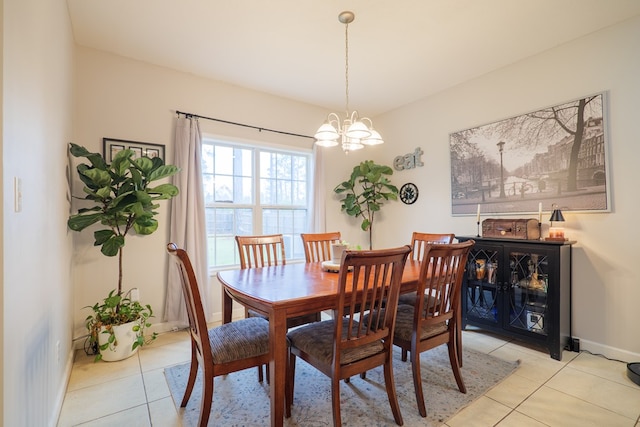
(62, 389)
(608, 352)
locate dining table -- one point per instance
(285, 291)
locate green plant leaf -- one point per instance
(166, 190)
(146, 227)
(102, 236)
(163, 172)
(112, 246)
(95, 158)
(79, 222)
(121, 162)
(99, 178)
(145, 164)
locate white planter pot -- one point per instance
(125, 337)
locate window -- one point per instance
(253, 190)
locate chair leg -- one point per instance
(458, 329)
(266, 370)
(260, 376)
(391, 391)
(404, 354)
(459, 344)
(335, 401)
(193, 372)
(289, 385)
(207, 397)
(453, 359)
(417, 382)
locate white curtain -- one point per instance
(188, 225)
(318, 217)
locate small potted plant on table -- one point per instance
(123, 201)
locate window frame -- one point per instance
(257, 208)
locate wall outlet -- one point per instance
(135, 294)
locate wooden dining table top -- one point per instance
(291, 285)
(286, 291)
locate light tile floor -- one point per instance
(581, 390)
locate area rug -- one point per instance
(240, 400)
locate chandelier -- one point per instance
(354, 132)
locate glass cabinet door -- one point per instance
(482, 291)
(528, 282)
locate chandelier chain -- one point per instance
(346, 66)
(353, 132)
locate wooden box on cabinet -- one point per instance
(520, 288)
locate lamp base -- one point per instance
(557, 239)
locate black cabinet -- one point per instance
(520, 288)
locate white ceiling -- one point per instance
(399, 50)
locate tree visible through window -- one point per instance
(251, 190)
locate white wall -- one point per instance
(126, 99)
(36, 122)
(606, 288)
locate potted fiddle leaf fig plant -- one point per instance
(123, 201)
(366, 191)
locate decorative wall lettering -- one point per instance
(409, 161)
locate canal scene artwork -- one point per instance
(531, 162)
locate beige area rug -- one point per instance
(240, 400)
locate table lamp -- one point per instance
(556, 233)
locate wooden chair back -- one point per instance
(261, 251)
(195, 312)
(441, 274)
(317, 246)
(420, 240)
(379, 274)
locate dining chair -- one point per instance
(221, 350)
(317, 246)
(424, 326)
(419, 241)
(264, 251)
(343, 346)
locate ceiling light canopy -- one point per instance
(353, 132)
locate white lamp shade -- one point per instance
(358, 130)
(327, 132)
(373, 139)
(326, 142)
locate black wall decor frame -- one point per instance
(555, 155)
(111, 146)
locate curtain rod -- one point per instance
(260, 129)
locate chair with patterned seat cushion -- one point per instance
(421, 327)
(343, 346)
(418, 245)
(264, 251)
(317, 246)
(221, 350)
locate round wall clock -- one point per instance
(409, 193)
